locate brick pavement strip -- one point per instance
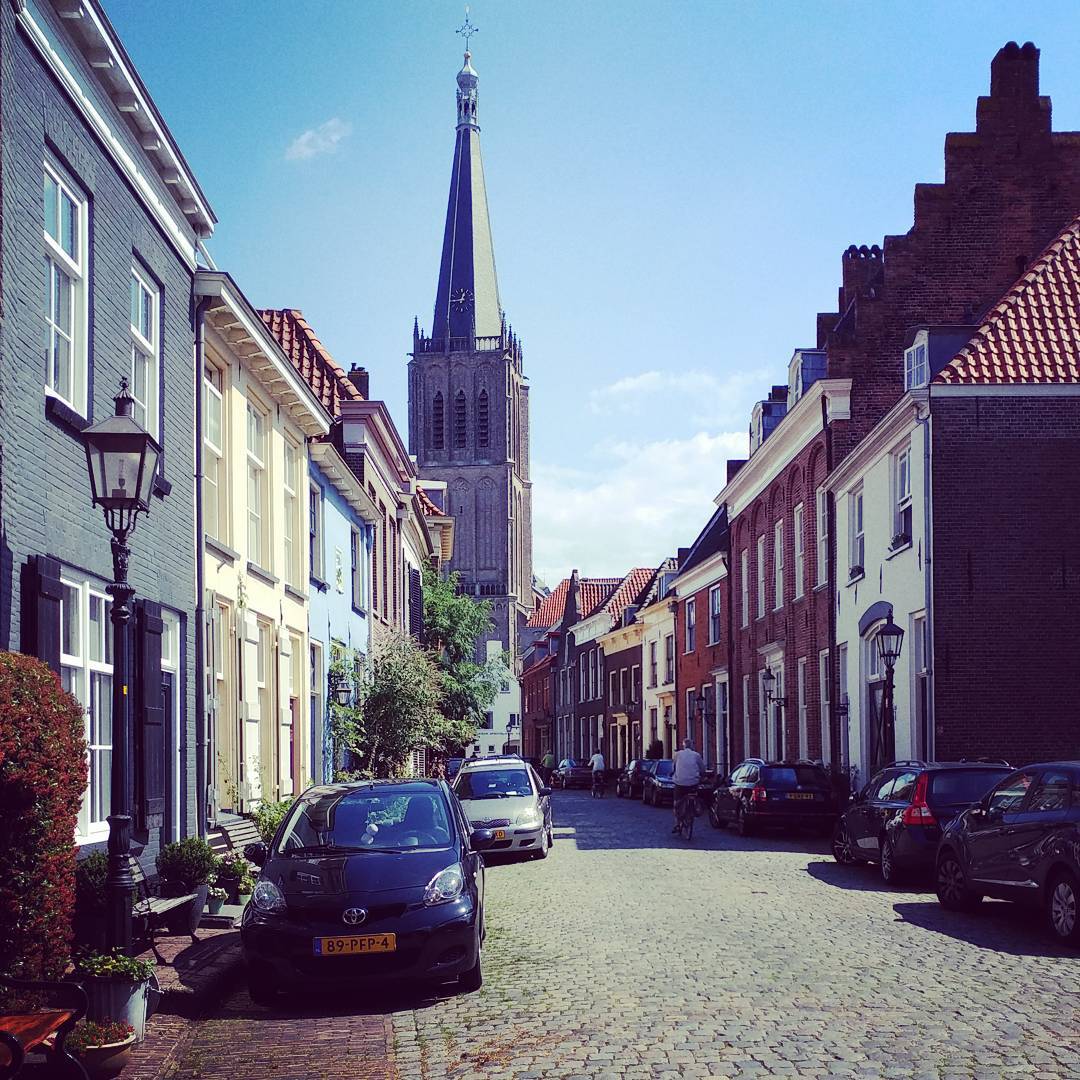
(629, 954)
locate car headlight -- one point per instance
(267, 897)
(528, 817)
(445, 886)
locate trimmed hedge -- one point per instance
(42, 779)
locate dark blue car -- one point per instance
(366, 882)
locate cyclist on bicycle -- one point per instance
(689, 772)
(596, 763)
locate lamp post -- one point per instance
(700, 703)
(122, 460)
(889, 641)
(769, 681)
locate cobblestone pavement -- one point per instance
(630, 954)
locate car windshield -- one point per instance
(362, 819)
(958, 787)
(492, 784)
(665, 767)
(790, 776)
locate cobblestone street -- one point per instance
(629, 954)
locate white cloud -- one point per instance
(323, 139)
(633, 504)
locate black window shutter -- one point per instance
(416, 604)
(41, 610)
(149, 717)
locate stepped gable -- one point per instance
(308, 355)
(1033, 334)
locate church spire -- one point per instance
(467, 298)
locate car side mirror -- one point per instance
(256, 853)
(481, 839)
(544, 791)
(994, 814)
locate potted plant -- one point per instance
(233, 872)
(117, 987)
(103, 1048)
(245, 886)
(188, 866)
(216, 898)
(899, 540)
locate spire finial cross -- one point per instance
(466, 30)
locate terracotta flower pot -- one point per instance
(101, 1062)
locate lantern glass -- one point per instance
(122, 460)
(769, 679)
(890, 640)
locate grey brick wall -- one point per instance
(44, 492)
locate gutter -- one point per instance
(928, 586)
(201, 763)
(838, 741)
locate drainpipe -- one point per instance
(838, 743)
(201, 771)
(931, 728)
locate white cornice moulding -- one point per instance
(780, 448)
(899, 421)
(712, 571)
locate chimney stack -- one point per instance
(358, 376)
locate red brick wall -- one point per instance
(536, 690)
(615, 663)
(694, 669)
(1006, 577)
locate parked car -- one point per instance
(784, 794)
(452, 766)
(896, 820)
(658, 785)
(364, 882)
(629, 781)
(506, 795)
(1020, 842)
(572, 773)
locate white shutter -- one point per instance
(249, 749)
(284, 731)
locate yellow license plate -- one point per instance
(354, 943)
(500, 834)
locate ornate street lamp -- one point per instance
(769, 681)
(122, 459)
(889, 641)
(340, 689)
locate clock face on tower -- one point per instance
(462, 299)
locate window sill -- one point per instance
(894, 551)
(64, 416)
(255, 570)
(821, 585)
(359, 611)
(295, 593)
(319, 584)
(855, 578)
(222, 551)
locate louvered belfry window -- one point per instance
(438, 423)
(460, 428)
(482, 420)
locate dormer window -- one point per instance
(916, 371)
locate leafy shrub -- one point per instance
(90, 876)
(87, 1033)
(268, 816)
(42, 779)
(235, 874)
(187, 863)
(113, 965)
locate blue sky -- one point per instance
(671, 187)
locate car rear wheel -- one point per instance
(953, 891)
(891, 874)
(742, 823)
(618, 791)
(842, 850)
(261, 991)
(714, 818)
(1063, 907)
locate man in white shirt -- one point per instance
(689, 772)
(596, 763)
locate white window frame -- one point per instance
(824, 697)
(761, 576)
(613, 682)
(316, 542)
(214, 472)
(902, 504)
(744, 576)
(746, 715)
(654, 666)
(778, 565)
(920, 673)
(822, 498)
(75, 268)
(799, 540)
(582, 684)
(669, 658)
(146, 351)
(291, 486)
(90, 680)
(916, 369)
(170, 662)
(800, 682)
(691, 695)
(690, 623)
(357, 559)
(635, 678)
(857, 526)
(716, 616)
(258, 485)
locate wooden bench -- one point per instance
(21, 1033)
(153, 910)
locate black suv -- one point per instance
(896, 820)
(780, 793)
(1021, 842)
(630, 780)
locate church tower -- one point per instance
(469, 412)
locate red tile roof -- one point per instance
(1033, 334)
(429, 508)
(318, 368)
(631, 587)
(592, 592)
(550, 610)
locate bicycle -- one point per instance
(598, 784)
(687, 811)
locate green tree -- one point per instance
(454, 625)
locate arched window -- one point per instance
(460, 428)
(438, 423)
(482, 420)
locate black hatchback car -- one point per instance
(786, 794)
(897, 818)
(367, 881)
(1020, 842)
(629, 782)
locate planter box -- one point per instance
(103, 1062)
(120, 999)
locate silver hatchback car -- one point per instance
(504, 794)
